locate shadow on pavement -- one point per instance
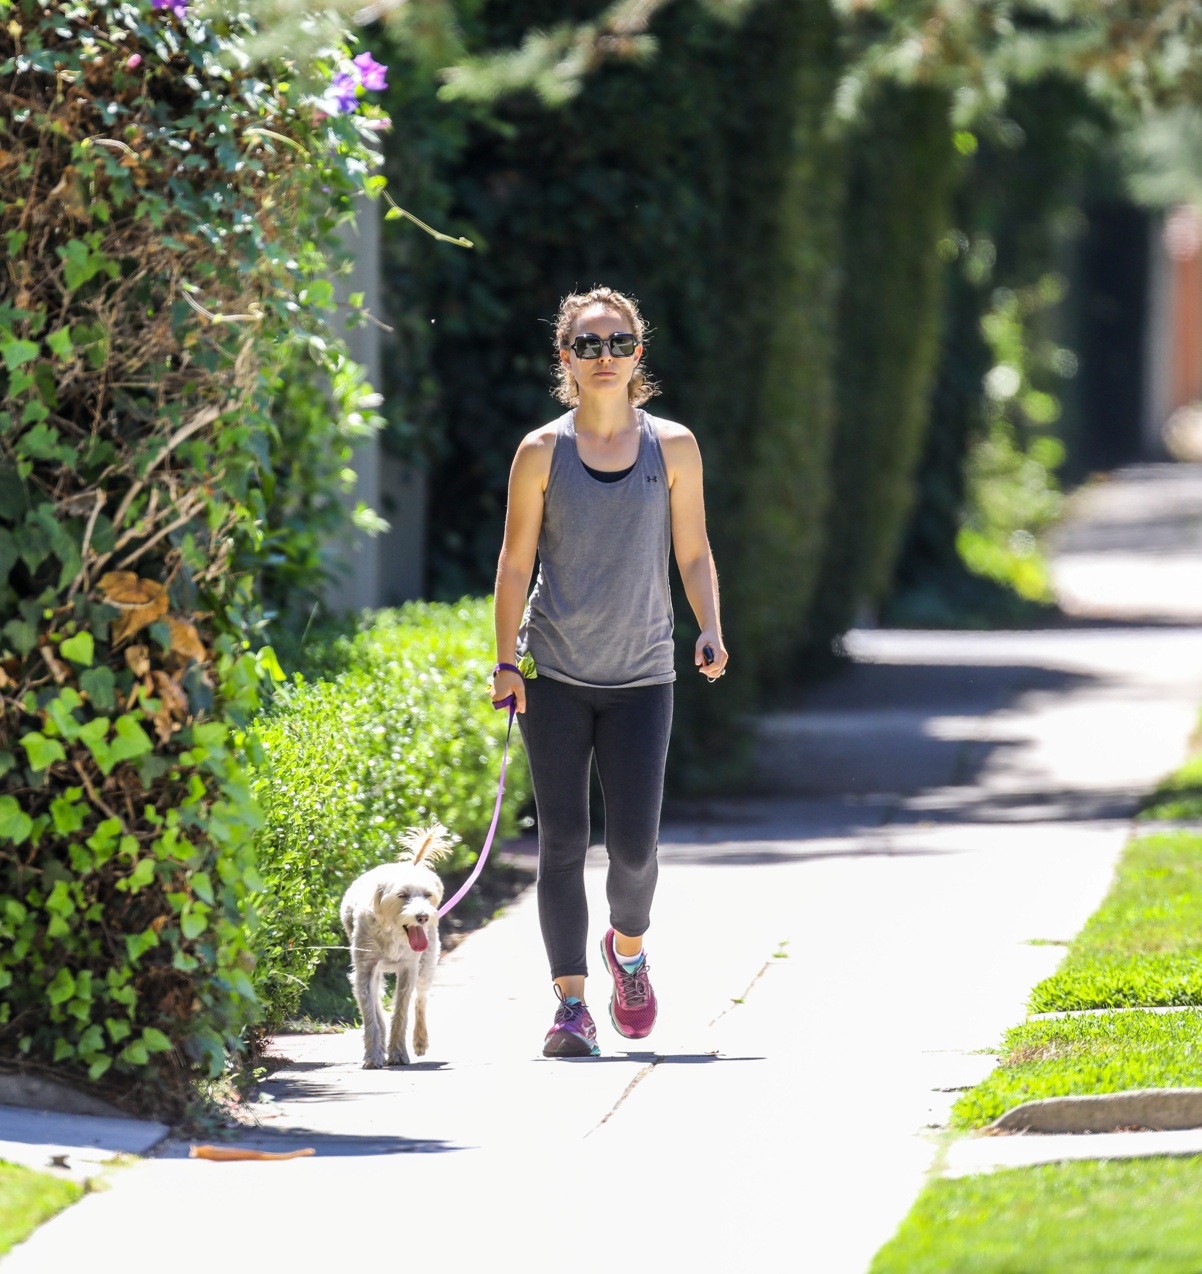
(325, 1144)
(725, 856)
(651, 1059)
(891, 726)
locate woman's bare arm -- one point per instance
(691, 545)
(523, 521)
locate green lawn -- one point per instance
(1134, 1216)
(1143, 946)
(1105, 1053)
(27, 1199)
(1180, 795)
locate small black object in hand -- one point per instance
(707, 653)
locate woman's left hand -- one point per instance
(716, 667)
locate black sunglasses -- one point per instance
(620, 345)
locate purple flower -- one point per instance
(343, 91)
(178, 7)
(371, 73)
(134, 62)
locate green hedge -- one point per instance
(901, 176)
(391, 727)
(169, 213)
(782, 458)
(721, 218)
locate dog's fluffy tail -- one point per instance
(425, 844)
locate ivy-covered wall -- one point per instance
(168, 224)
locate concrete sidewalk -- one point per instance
(831, 956)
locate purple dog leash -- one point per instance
(510, 702)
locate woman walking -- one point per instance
(600, 495)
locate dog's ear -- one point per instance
(378, 897)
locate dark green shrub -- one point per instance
(399, 731)
(901, 178)
(711, 193)
(782, 464)
(167, 212)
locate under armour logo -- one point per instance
(652, 477)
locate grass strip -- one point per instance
(1132, 1216)
(28, 1198)
(1108, 1053)
(1179, 796)
(1143, 946)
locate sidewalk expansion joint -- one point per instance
(742, 999)
(634, 1083)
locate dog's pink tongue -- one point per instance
(417, 938)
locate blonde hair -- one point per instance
(566, 389)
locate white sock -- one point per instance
(630, 963)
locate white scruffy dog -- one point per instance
(390, 915)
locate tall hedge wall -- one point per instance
(782, 461)
(903, 168)
(702, 183)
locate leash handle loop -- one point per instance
(511, 703)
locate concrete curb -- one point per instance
(970, 1156)
(1151, 1108)
(33, 1092)
(78, 1146)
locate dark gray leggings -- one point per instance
(626, 729)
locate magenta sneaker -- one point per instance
(573, 1033)
(632, 1006)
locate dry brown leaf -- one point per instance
(142, 601)
(185, 640)
(122, 588)
(137, 659)
(134, 621)
(163, 725)
(171, 694)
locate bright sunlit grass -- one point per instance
(1134, 1216)
(27, 1199)
(1143, 946)
(1106, 1053)
(1179, 796)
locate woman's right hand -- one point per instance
(506, 683)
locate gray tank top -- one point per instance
(600, 613)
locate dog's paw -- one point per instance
(373, 1062)
(399, 1058)
(420, 1043)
